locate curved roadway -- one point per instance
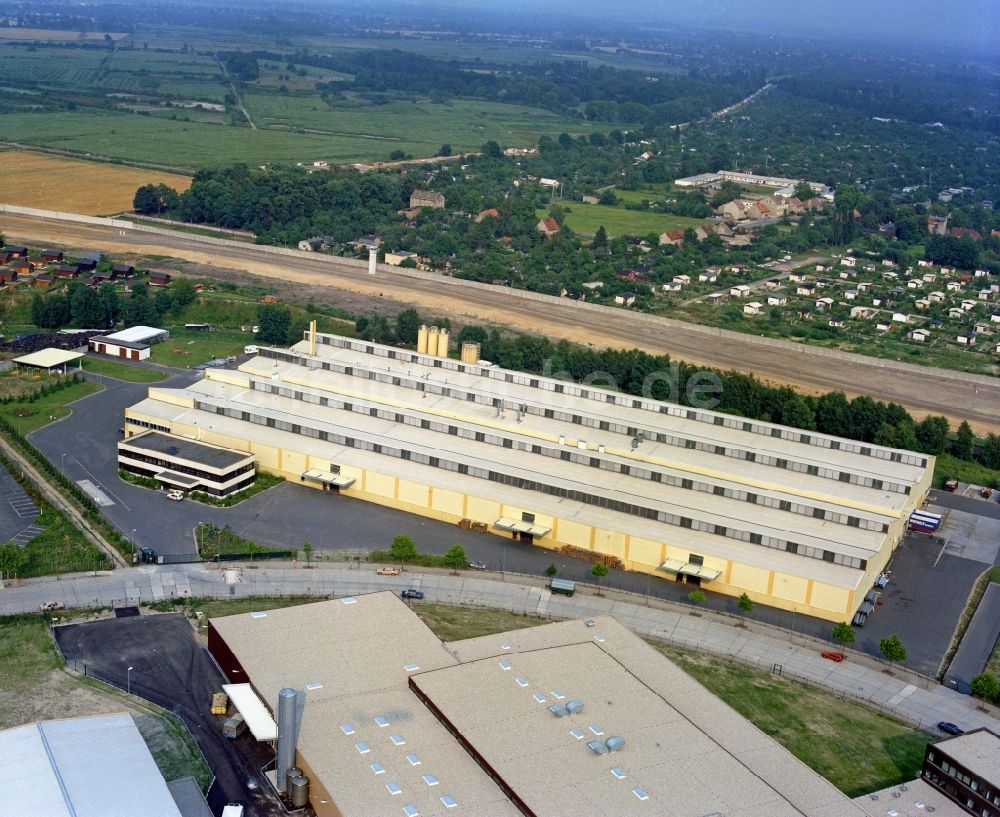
(923, 391)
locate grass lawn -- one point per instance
(35, 687)
(29, 416)
(61, 548)
(121, 371)
(586, 218)
(851, 746)
(186, 347)
(456, 623)
(948, 467)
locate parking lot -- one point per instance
(18, 512)
(171, 669)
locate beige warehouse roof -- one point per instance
(365, 725)
(48, 358)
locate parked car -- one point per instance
(49, 606)
(833, 656)
(234, 726)
(387, 571)
(477, 565)
(951, 485)
(147, 555)
(950, 728)
(175, 494)
(410, 593)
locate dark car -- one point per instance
(950, 728)
(410, 593)
(147, 555)
(477, 565)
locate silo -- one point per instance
(432, 341)
(372, 259)
(422, 340)
(298, 791)
(287, 701)
(470, 352)
(442, 343)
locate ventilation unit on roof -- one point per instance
(597, 747)
(558, 710)
(615, 743)
(574, 706)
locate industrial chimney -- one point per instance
(312, 338)
(372, 259)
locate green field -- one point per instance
(586, 218)
(195, 347)
(27, 416)
(121, 371)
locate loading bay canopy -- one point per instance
(173, 478)
(328, 478)
(258, 719)
(690, 569)
(520, 526)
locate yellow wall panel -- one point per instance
(380, 485)
(448, 502)
(413, 493)
(790, 588)
(830, 598)
(171, 397)
(483, 510)
(645, 552)
(573, 533)
(749, 578)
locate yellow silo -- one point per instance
(470, 352)
(422, 340)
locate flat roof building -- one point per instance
(966, 769)
(793, 518)
(81, 767)
(517, 723)
(183, 463)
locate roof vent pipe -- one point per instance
(287, 705)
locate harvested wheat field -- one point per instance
(53, 34)
(75, 186)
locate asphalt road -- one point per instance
(171, 669)
(919, 390)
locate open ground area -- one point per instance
(323, 277)
(71, 185)
(587, 218)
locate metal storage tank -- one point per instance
(470, 352)
(298, 791)
(422, 340)
(293, 772)
(442, 343)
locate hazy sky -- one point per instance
(976, 22)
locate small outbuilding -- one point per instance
(49, 359)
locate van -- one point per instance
(250, 350)
(233, 810)
(234, 726)
(563, 586)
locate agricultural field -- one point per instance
(57, 35)
(92, 188)
(415, 126)
(587, 218)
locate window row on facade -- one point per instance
(596, 500)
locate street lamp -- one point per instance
(133, 543)
(64, 463)
(128, 680)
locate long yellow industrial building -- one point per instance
(797, 520)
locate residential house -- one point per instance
(67, 271)
(701, 233)
(922, 303)
(883, 326)
(159, 279)
(965, 232)
(715, 298)
(914, 283)
(836, 323)
(968, 304)
(87, 263)
(919, 335)
(797, 276)
(44, 280)
(936, 297)
(864, 286)
(625, 298)
(123, 270)
(981, 273)
(739, 291)
(956, 312)
(823, 304)
(929, 278)
(5, 257)
(888, 263)
(752, 308)
(966, 339)
(847, 274)
(427, 198)
(861, 312)
(52, 256)
(547, 227)
(671, 286)
(593, 286)
(923, 263)
(735, 209)
(684, 280)
(953, 286)
(591, 200)
(7, 276)
(314, 244)
(985, 294)
(995, 317)
(900, 317)
(492, 212)
(22, 266)
(709, 275)
(847, 261)
(805, 288)
(851, 294)
(996, 349)
(410, 213)
(15, 251)
(399, 256)
(777, 299)
(672, 238)
(937, 225)
(983, 328)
